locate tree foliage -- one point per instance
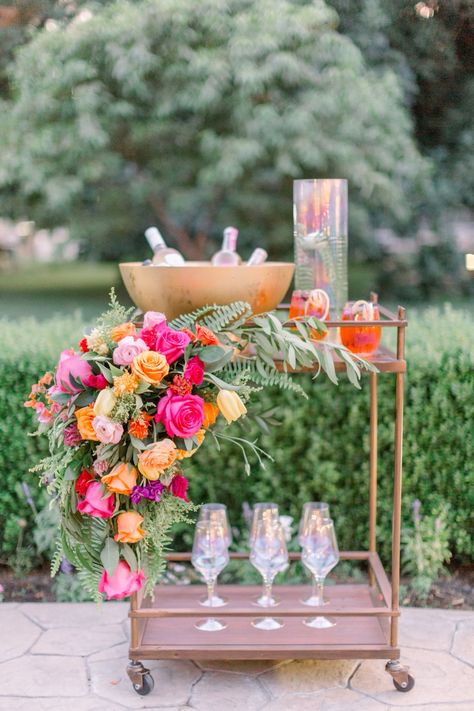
(194, 115)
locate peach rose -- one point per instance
(153, 461)
(150, 367)
(85, 417)
(211, 413)
(124, 329)
(128, 527)
(121, 479)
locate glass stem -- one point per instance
(267, 587)
(211, 586)
(318, 590)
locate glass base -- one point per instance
(215, 601)
(267, 623)
(266, 601)
(210, 625)
(314, 601)
(320, 623)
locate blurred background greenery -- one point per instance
(118, 114)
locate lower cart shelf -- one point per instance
(165, 628)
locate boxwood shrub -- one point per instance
(320, 449)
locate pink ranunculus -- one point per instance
(154, 318)
(107, 431)
(127, 349)
(182, 415)
(171, 343)
(179, 486)
(194, 370)
(94, 504)
(71, 364)
(122, 583)
(97, 382)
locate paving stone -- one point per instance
(119, 651)
(38, 676)
(307, 676)
(330, 700)
(240, 666)
(75, 614)
(89, 703)
(173, 682)
(463, 645)
(426, 629)
(78, 642)
(17, 633)
(438, 677)
(218, 691)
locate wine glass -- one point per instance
(210, 556)
(215, 513)
(263, 512)
(320, 554)
(310, 510)
(269, 556)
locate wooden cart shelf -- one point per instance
(366, 614)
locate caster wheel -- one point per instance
(146, 687)
(408, 686)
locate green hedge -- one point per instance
(320, 449)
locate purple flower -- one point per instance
(66, 567)
(71, 435)
(151, 491)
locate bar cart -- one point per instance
(367, 625)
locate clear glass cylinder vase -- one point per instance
(320, 234)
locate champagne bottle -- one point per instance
(227, 256)
(163, 256)
(258, 256)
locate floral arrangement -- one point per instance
(126, 410)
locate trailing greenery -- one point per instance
(320, 449)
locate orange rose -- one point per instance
(84, 417)
(153, 461)
(206, 336)
(124, 329)
(211, 413)
(184, 453)
(128, 527)
(150, 367)
(121, 479)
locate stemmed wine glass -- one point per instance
(312, 510)
(269, 556)
(320, 554)
(264, 512)
(215, 513)
(210, 556)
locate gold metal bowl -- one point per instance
(177, 290)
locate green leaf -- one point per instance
(110, 555)
(130, 557)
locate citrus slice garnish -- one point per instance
(362, 310)
(319, 301)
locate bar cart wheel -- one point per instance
(142, 680)
(402, 680)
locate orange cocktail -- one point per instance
(310, 303)
(362, 340)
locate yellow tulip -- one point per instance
(230, 405)
(105, 402)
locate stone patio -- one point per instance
(72, 657)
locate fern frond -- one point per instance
(57, 558)
(217, 318)
(260, 374)
(188, 320)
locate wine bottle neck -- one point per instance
(229, 243)
(155, 238)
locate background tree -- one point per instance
(194, 115)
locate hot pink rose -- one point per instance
(182, 415)
(127, 349)
(71, 364)
(194, 370)
(179, 486)
(93, 503)
(107, 431)
(171, 343)
(122, 582)
(97, 382)
(154, 318)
